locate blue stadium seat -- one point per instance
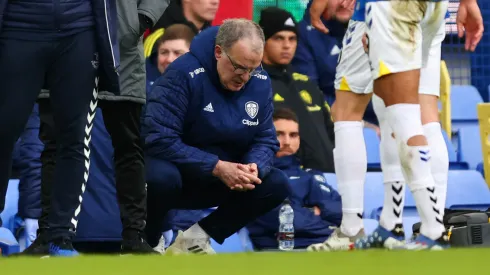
(467, 190)
(454, 163)
(372, 148)
(469, 145)
(464, 99)
(480, 168)
(8, 243)
(238, 242)
(11, 205)
(370, 225)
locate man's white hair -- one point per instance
(233, 30)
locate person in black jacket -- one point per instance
(58, 44)
(296, 91)
(121, 112)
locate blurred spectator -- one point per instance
(317, 206)
(197, 14)
(210, 139)
(317, 53)
(296, 91)
(173, 43)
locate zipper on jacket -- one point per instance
(56, 10)
(109, 36)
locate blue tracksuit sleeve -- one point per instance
(265, 144)
(326, 198)
(164, 121)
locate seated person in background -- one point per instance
(318, 54)
(196, 14)
(296, 91)
(210, 140)
(317, 206)
(173, 43)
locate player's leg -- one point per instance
(389, 233)
(352, 97)
(396, 55)
(429, 93)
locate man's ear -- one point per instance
(218, 52)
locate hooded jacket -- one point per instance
(193, 122)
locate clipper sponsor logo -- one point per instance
(250, 123)
(196, 72)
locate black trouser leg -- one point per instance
(169, 189)
(22, 71)
(122, 121)
(48, 159)
(72, 82)
(242, 208)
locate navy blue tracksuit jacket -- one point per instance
(178, 128)
(307, 189)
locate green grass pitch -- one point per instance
(452, 261)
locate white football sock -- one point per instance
(350, 167)
(439, 161)
(394, 182)
(405, 120)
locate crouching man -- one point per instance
(210, 138)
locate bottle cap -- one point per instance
(287, 201)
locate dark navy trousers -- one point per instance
(169, 188)
(67, 66)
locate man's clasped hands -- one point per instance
(237, 176)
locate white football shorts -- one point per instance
(354, 72)
(401, 33)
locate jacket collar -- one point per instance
(278, 70)
(287, 162)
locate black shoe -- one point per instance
(38, 248)
(136, 245)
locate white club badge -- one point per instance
(252, 108)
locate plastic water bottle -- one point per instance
(285, 236)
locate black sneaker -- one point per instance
(39, 248)
(136, 245)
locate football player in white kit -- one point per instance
(394, 57)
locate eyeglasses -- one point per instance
(240, 70)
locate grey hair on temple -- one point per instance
(233, 30)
